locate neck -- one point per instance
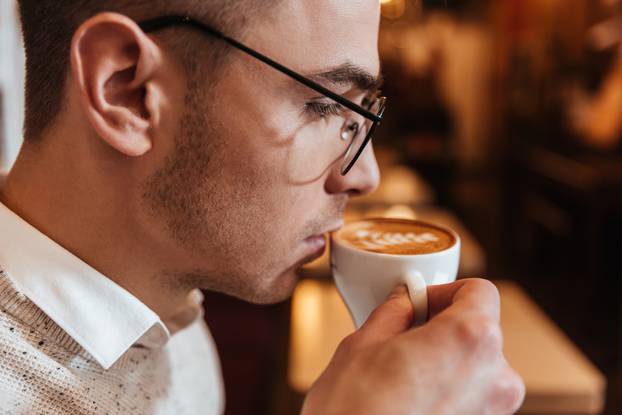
(88, 215)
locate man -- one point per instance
(161, 157)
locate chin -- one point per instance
(274, 290)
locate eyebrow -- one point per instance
(349, 74)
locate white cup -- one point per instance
(365, 278)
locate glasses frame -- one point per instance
(162, 22)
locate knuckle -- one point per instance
(484, 286)
(510, 393)
(348, 344)
(479, 333)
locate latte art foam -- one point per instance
(377, 240)
(396, 236)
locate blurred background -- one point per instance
(504, 123)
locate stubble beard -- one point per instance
(186, 197)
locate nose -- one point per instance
(362, 179)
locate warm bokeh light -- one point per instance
(400, 212)
(393, 9)
(319, 321)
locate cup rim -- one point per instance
(456, 244)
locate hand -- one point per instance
(452, 365)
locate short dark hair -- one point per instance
(48, 27)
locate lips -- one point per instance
(317, 243)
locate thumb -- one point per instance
(390, 318)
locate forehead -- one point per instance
(311, 36)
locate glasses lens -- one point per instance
(360, 138)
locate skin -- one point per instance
(165, 180)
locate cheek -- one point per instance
(276, 213)
(263, 122)
(271, 158)
(285, 182)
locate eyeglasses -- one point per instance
(353, 135)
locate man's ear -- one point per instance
(114, 64)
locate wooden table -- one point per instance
(558, 377)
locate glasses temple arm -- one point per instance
(159, 23)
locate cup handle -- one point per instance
(418, 292)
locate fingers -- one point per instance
(391, 318)
(472, 296)
(465, 317)
(465, 303)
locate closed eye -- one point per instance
(322, 109)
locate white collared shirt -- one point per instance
(105, 319)
(101, 316)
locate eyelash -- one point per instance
(323, 110)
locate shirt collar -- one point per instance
(101, 316)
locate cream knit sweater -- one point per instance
(44, 371)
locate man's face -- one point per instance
(254, 178)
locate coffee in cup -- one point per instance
(372, 256)
(396, 237)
